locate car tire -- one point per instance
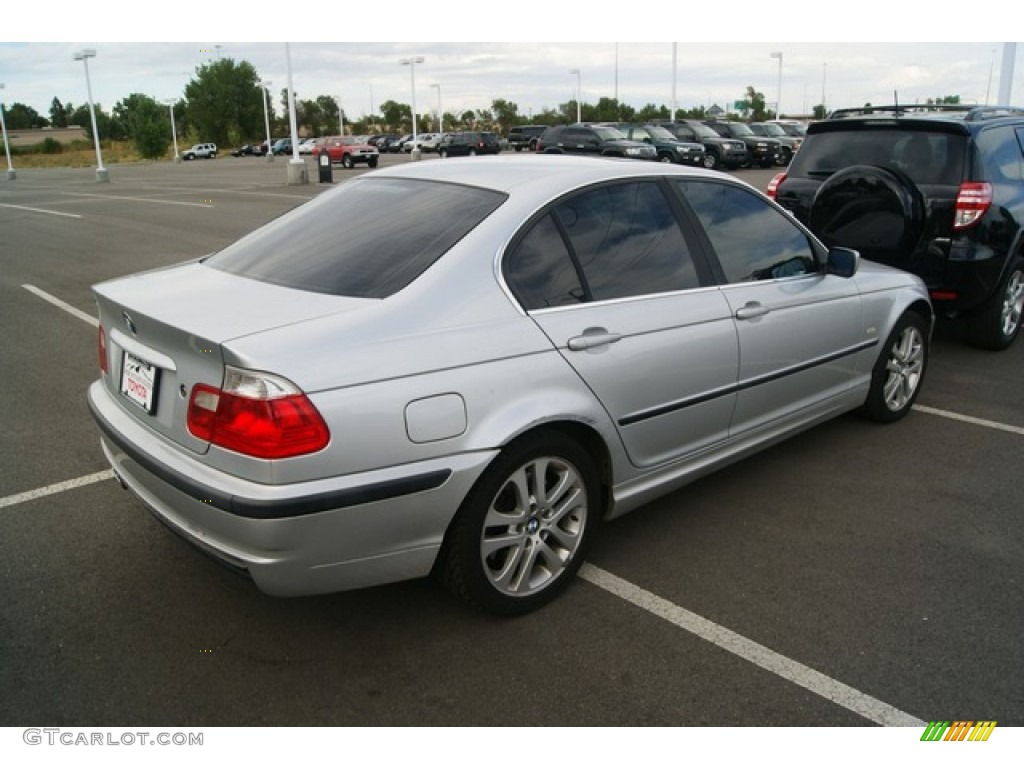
(347, 162)
(711, 161)
(443, 153)
(998, 323)
(372, 163)
(665, 157)
(899, 371)
(472, 152)
(877, 211)
(523, 530)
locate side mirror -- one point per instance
(843, 262)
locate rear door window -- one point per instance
(610, 242)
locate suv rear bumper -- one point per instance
(971, 278)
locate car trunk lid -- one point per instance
(165, 331)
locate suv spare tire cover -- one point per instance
(877, 211)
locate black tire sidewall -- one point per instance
(874, 406)
(985, 327)
(460, 566)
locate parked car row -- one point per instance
(715, 144)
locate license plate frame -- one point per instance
(139, 382)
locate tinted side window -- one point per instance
(540, 270)
(607, 243)
(753, 241)
(627, 241)
(1001, 155)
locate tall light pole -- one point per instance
(265, 95)
(11, 173)
(579, 93)
(411, 63)
(83, 56)
(674, 71)
(440, 114)
(1006, 73)
(296, 166)
(824, 72)
(174, 130)
(341, 117)
(778, 103)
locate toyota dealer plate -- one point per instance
(138, 382)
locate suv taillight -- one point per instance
(972, 200)
(773, 185)
(257, 414)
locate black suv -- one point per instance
(789, 144)
(764, 151)
(604, 140)
(937, 191)
(669, 148)
(524, 136)
(469, 143)
(718, 152)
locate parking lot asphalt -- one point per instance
(853, 575)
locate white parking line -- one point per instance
(50, 490)
(40, 210)
(84, 317)
(970, 420)
(849, 698)
(137, 199)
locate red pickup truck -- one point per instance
(347, 150)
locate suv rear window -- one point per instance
(927, 158)
(345, 242)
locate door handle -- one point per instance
(752, 310)
(592, 337)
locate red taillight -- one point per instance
(257, 414)
(101, 349)
(972, 200)
(773, 185)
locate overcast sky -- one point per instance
(132, 57)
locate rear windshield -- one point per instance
(927, 157)
(368, 238)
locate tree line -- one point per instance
(224, 103)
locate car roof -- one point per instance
(541, 174)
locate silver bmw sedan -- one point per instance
(350, 396)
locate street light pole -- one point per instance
(440, 114)
(174, 130)
(778, 103)
(83, 56)
(296, 166)
(411, 63)
(265, 95)
(579, 93)
(824, 72)
(341, 117)
(11, 173)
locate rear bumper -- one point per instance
(329, 535)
